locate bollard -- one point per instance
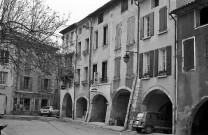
(2, 127)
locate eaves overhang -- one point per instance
(189, 7)
(69, 28)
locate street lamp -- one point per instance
(126, 57)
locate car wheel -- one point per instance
(148, 129)
(139, 130)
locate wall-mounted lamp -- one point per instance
(126, 57)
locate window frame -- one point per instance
(123, 7)
(183, 54)
(105, 35)
(3, 75)
(197, 18)
(100, 18)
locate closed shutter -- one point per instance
(49, 85)
(21, 82)
(156, 63)
(168, 60)
(118, 35)
(131, 64)
(42, 84)
(188, 46)
(152, 24)
(206, 45)
(141, 28)
(2, 56)
(116, 68)
(151, 62)
(130, 30)
(6, 57)
(163, 19)
(30, 83)
(140, 65)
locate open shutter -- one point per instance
(119, 65)
(152, 24)
(141, 28)
(30, 83)
(156, 63)
(151, 62)
(116, 68)
(185, 56)
(190, 54)
(168, 60)
(49, 85)
(163, 19)
(39, 83)
(42, 84)
(21, 82)
(140, 65)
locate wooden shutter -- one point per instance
(156, 63)
(168, 60)
(132, 30)
(2, 56)
(6, 56)
(30, 83)
(188, 47)
(191, 54)
(118, 36)
(49, 85)
(163, 19)
(21, 82)
(151, 62)
(42, 84)
(116, 68)
(39, 83)
(131, 64)
(141, 28)
(140, 65)
(152, 24)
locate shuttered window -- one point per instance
(100, 18)
(4, 56)
(130, 30)
(188, 54)
(118, 36)
(156, 63)
(163, 19)
(124, 5)
(104, 71)
(117, 67)
(130, 64)
(26, 83)
(147, 26)
(3, 77)
(96, 40)
(169, 60)
(151, 63)
(105, 35)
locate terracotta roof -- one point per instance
(189, 6)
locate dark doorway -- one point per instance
(81, 108)
(44, 102)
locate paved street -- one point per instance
(54, 126)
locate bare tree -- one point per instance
(27, 28)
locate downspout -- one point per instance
(175, 75)
(137, 72)
(89, 72)
(75, 63)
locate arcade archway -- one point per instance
(67, 106)
(81, 107)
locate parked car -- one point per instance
(148, 121)
(49, 110)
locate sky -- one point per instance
(78, 9)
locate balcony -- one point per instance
(77, 83)
(84, 82)
(85, 52)
(146, 75)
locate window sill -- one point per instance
(146, 38)
(162, 76)
(117, 49)
(201, 26)
(146, 78)
(105, 45)
(162, 32)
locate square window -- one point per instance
(100, 18)
(201, 16)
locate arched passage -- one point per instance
(120, 105)
(158, 101)
(67, 106)
(99, 107)
(200, 124)
(81, 107)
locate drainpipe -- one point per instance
(75, 68)
(89, 71)
(175, 75)
(137, 72)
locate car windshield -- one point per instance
(140, 115)
(46, 107)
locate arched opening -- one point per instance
(158, 101)
(119, 107)
(99, 107)
(67, 106)
(81, 107)
(200, 124)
